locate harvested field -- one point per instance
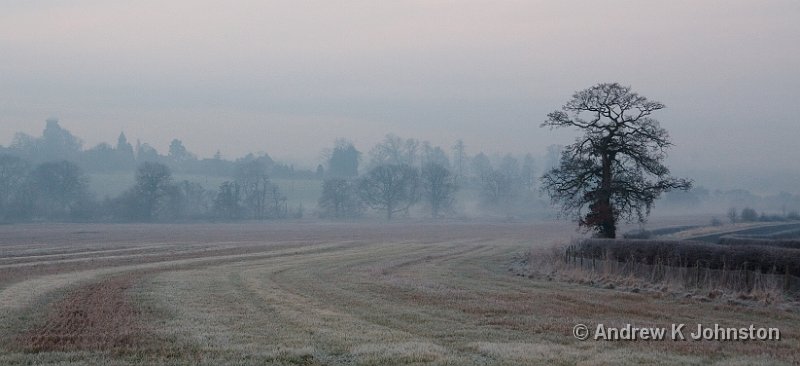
(97, 316)
(332, 294)
(780, 231)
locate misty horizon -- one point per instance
(289, 80)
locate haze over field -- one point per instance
(418, 182)
(289, 77)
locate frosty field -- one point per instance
(311, 293)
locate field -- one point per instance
(311, 293)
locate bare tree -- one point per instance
(390, 187)
(616, 168)
(280, 206)
(255, 186)
(227, 202)
(394, 150)
(497, 190)
(528, 173)
(481, 165)
(438, 188)
(459, 160)
(340, 199)
(733, 216)
(153, 182)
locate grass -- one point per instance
(330, 294)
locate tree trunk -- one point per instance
(605, 212)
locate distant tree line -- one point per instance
(58, 191)
(749, 214)
(47, 179)
(403, 173)
(57, 143)
(48, 191)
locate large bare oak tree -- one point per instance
(615, 170)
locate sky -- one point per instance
(289, 77)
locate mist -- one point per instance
(374, 182)
(280, 76)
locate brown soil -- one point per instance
(98, 316)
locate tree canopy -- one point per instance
(615, 170)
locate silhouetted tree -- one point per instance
(460, 160)
(528, 173)
(749, 215)
(61, 189)
(320, 173)
(58, 143)
(438, 187)
(394, 150)
(153, 185)
(733, 216)
(509, 166)
(258, 197)
(343, 160)
(481, 165)
(124, 151)
(340, 199)
(147, 153)
(189, 200)
(433, 155)
(15, 193)
(616, 168)
(101, 158)
(391, 188)
(255, 185)
(178, 153)
(497, 189)
(227, 203)
(552, 157)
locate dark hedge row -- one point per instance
(743, 240)
(766, 259)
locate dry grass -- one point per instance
(438, 294)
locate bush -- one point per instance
(749, 215)
(637, 234)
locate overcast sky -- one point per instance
(288, 77)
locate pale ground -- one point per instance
(344, 294)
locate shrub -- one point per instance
(749, 215)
